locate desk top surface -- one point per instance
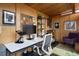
(12, 47)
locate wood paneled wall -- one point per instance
(23, 9)
(7, 33)
(61, 32)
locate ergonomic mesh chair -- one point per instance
(45, 49)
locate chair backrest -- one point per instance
(47, 42)
(73, 35)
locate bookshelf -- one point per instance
(41, 26)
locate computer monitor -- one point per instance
(29, 29)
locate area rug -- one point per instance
(64, 50)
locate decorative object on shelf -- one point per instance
(34, 21)
(8, 17)
(70, 25)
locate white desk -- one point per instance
(13, 47)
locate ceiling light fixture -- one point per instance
(63, 14)
(66, 12)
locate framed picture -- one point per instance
(8, 17)
(70, 25)
(26, 19)
(56, 25)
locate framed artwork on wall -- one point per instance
(8, 17)
(26, 19)
(70, 25)
(56, 25)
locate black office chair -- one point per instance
(21, 33)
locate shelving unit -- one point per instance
(41, 26)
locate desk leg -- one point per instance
(8, 53)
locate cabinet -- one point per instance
(41, 26)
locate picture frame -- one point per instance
(26, 19)
(56, 25)
(9, 17)
(70, 25)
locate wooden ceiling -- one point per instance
(52, 9)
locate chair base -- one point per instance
(30, 54)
